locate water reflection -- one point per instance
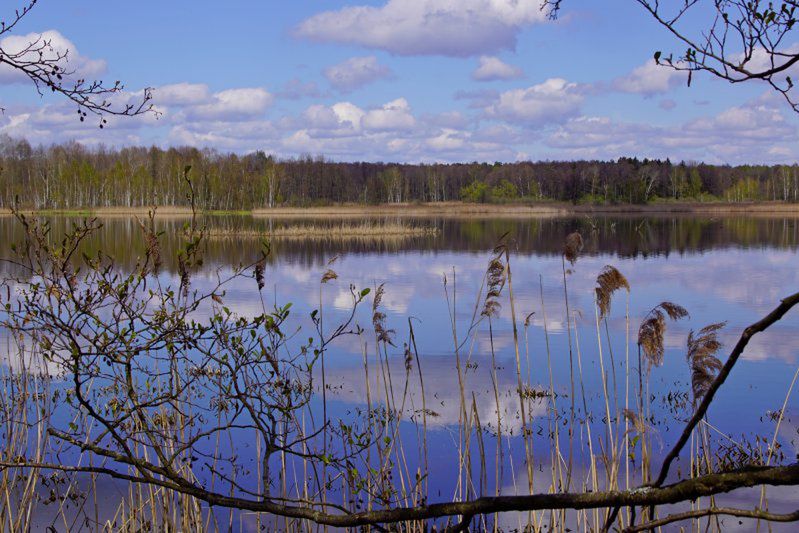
(624, 237)
(733, 269)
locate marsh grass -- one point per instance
(365, 231)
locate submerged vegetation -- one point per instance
(208, 418)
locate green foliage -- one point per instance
(692, 188)
(591, 199)
(745, 189)
(476, 191)
(504, 190)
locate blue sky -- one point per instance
(398, 80)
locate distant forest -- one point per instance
(72, 176)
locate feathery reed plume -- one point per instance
(495, 277)
(608, 281)
(379, 318)
(330, 274)
(573, 246)
(652, 329)
(635, 420)
(702, 359)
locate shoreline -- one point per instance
(449, 209)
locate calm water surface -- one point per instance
(720, 269)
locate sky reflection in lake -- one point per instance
(733, 270)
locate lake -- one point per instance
(720, 269)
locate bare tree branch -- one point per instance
(48, 68)
(737, 40)
(715, 511)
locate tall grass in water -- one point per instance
(367, 230)
(376, 457)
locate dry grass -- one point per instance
(702, 348)
(457, 210)
(540, 209)
(343, 231)
(609, 281)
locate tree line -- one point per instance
(72, 176)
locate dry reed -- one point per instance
(368, 230)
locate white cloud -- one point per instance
(761, 61)
(348, 114)
(448, 119)
(79, 66)
(554, 100)
(356, 72)
(447, 140)
(459, 28)
(542, 120)
(756, 132)
(595, 135)
(649, 79)
(492, 68)
(392, 116)
(181, 94)
(234, 136)
(233, 104)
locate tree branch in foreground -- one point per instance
(46, 65)
(699, 513)
(759, 326)
(682, 491)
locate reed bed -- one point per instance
(367, 230)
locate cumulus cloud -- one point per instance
(348, 114)
(59, 123)
(395, 115)
(594, 135)
(649, 79)
(492, 68)
(339, 120)
(757, 132)
(447, 140)
(459, 28)
(554, 100)
(390, 131)
(544, 120)
(57, 45)
(181, 94)
(239, 136)
(355, 73)
(233, 104)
